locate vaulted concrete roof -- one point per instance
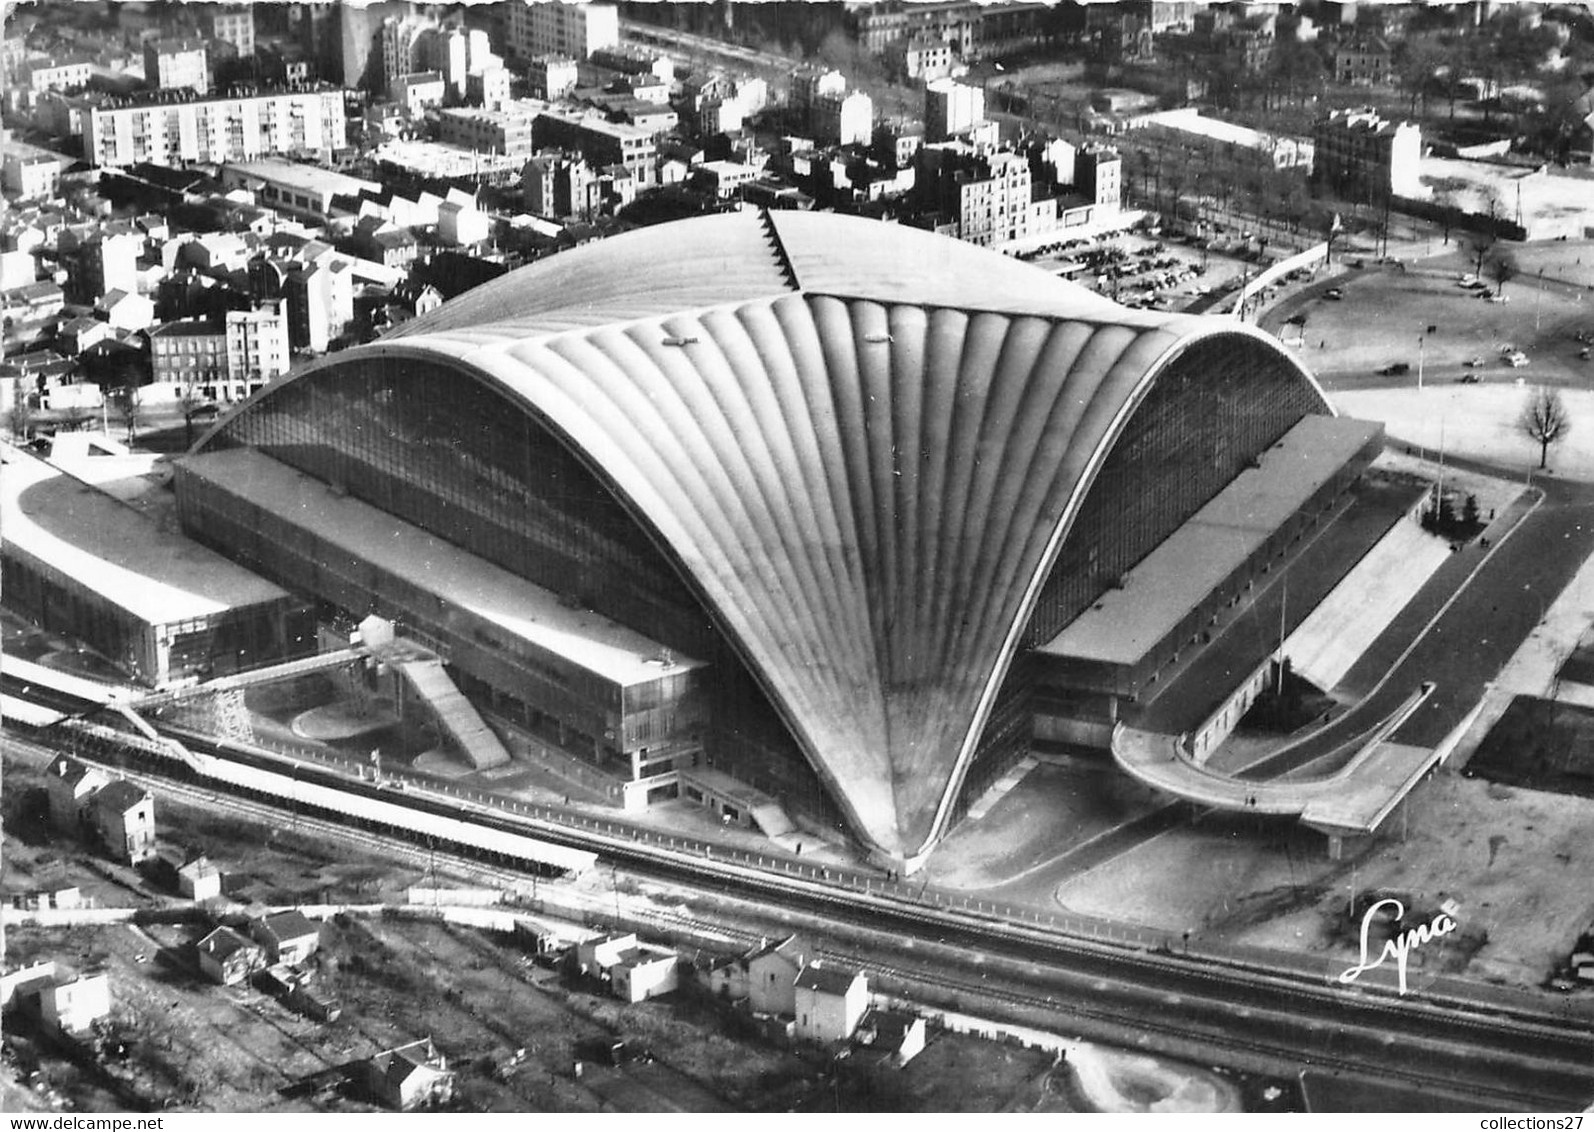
(861, 445)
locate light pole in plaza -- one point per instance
(1422, 344)
(1538, 297)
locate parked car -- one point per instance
(1469, 379)
(1516, 359)
(1333, 293)
(1395, 369)
(1468, 280)
(1474, 362)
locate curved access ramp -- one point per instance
(1352, 800)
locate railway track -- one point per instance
(1245, 1010)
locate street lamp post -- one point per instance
(1538, 296)
(1422, 343)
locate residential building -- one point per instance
(726, 177)
(551, 76)
(320, 300)
(177, 64)
(232, 24)
(199, 879)
(418, 92)
(1363, 61)
(229, 957)
(167, 131)
(489, 87)
(636, 59)
(30, 172)
(78, 334)
(124, 310)
(287, 937)
(1359, 156)
(844, 120)
(829, 1002)
(123, 815)
(460, 223)
(929, 59)
(34, 302)
(68, 785)
(18, 269)
(1098, 176)
(557, 28)
(772, 974)
(506, 130)
(70, 1006)
(894, 1035)
(951, 108)
(643, 972)
(809, 85)
(556, 184)
(257, 345)
(987, 197)
(600, 142)
(106, 262)
(409, 1077)
(70, 73)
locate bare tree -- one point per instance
(1544, 420)
(1502, 268)
(127, 405)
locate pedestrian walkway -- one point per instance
(1335, 634)
(999, 789)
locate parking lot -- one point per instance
(1155, 272)
(1441, 326)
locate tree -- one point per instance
(20, 415)
(1544, 420)
(1502, 268)
(127, 403)
(1479, 247)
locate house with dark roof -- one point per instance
(830, 1002)
(124, 817)
(228, 957)
(894, 1037)
(288, 937)
(409, 1077)
(69, 785)
(772, 973)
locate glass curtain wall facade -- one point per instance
(439, 449)
(1215, 407)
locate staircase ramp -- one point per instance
(453, 712)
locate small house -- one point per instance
(199, 879)
(772, 972)
(69, 784)
(288, 937)
(68, 1005)
(124, 817)
(894, 1035)
(830, 1002)
(409, 1077)
(643, 972)
(594, 956)
(228, 957)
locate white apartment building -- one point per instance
(550, 27)
(166, 132)
(951, 108)
(844, 120)
(257, 345)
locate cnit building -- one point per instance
(799, 501)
